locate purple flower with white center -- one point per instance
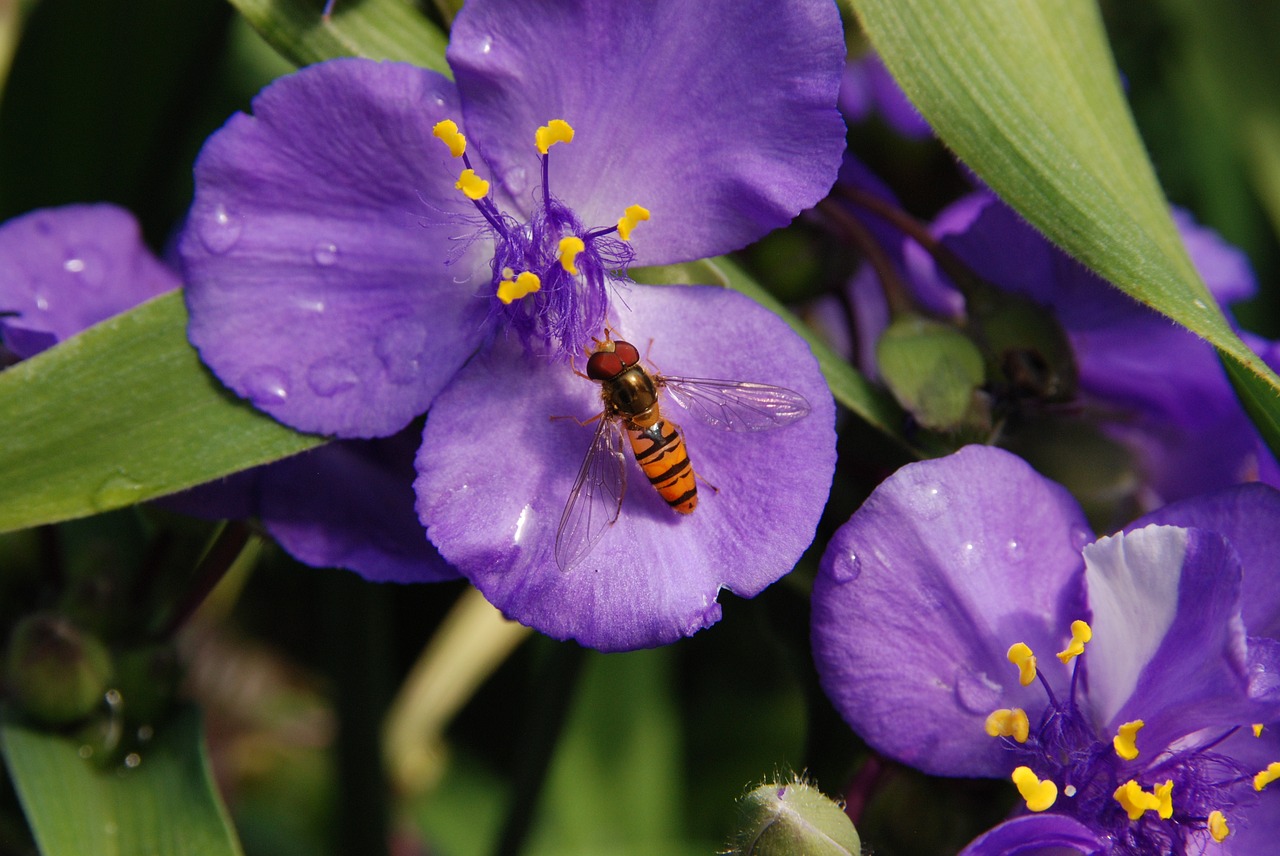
(342, 265)
(375, 240)
(64, 269)
(933, 598)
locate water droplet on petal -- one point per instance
(88, 265)
(516, 180)
(522, 522)
(42, 302)
(1081, 537)
(847, 568)
(117, 491)
(266, 385)
(438, 98)
(1015, 550)
(325, 253)
(928, 501)
(486, 44)
(219, 230)
(400, 350)
(976, 692)
(330, 376)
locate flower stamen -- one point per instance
(526, 283)
(1218, 826)
(555, 131)
(630, 219)
(1267, 776)
(473, 186)
(1125, 741)
(570, 246)
(1020, 655)
(1009, 723)
(1038, 794)
(1081, 633)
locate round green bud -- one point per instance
(56, 671)
(793, 819)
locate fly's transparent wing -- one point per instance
(737, 405)
(596, 497)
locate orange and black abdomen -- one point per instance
(660, 452)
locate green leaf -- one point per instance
(871, 404)
(165, 806)
(1027, 94)
(122, 413)
(374, 29)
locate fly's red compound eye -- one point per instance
(605, 365)
(626, 352)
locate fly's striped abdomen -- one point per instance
(660, 452)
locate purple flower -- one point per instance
(376, 239)
(63, 269)
(925, 594)
(1146, 383)
(338, 275)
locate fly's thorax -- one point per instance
(632, 395)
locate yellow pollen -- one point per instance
(522, 286)
(447, 132)
(1267, 776)
(630, 219)
(1134, 800)
(475, 187)
(1009, 723)
(1257, 729)
(1081, 633)
(1020, 655)
(1164, 798)
(1039, 795)
(1218, 826)
(555, 131)
(1125, 740)
(570, 246)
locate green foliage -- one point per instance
(165, 804)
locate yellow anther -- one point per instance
(1020, 655)
(1125, 740)
(555, 131)
(1134, 800)
(447, 132)
(475, 187)
(1257, 729)
(1164, 799)
(630, 219)
(570, 246)
(1218, 826)
(1009, 723)
(1039, 795)
(1267, 776)
(1081, 633)
(522, 286)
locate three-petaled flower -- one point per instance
(345, 272)
(941, 605)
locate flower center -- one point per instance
(1173, 804)
(551, 274)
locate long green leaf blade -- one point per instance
(374, 29)
(166, 806)
(1027, 94)
(123, 413)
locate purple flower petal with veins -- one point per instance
(1142, 735)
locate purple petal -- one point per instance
(1255, 824)
(496, 470)
(1168, 643)
(350, 505)
(1037, 835)
(867, 84)
(325, 280)
(722, 123)
(1246, 516)
(65, 269)
(921, 593)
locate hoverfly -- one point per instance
(630, 396)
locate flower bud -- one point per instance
(933, 370)
(56, 671)
(793, 819)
